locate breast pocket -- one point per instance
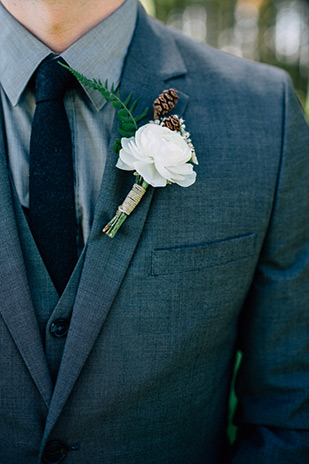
(194, 257)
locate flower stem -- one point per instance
(131, 201)
(114, 224)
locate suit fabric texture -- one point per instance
(158, 312)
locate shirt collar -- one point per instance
(98, 54)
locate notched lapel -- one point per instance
(107, 260)
(15, 300)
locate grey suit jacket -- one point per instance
(192, 275)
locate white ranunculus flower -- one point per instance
(158, 155)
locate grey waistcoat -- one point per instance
(48, 307)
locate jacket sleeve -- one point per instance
(273, 382)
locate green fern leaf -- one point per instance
(117, 145)
(123, 114)
(142, 115)
(133, 106)
(129, 126)
(128, 99)
(124, 133)
(116, 104)
(128, 122)
(127, 119)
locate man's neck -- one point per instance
(59, 23)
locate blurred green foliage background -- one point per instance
(270, 31)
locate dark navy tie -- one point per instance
(52, 216)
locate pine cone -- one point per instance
(165, 102)
(172, 123)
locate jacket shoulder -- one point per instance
(209, 66)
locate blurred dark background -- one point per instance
(270, 31)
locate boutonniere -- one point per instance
(159, 152)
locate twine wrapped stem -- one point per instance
(125, 209)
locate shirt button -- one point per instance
(59, 328)
(54, 452)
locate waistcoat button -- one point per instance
(59, 328)
(54, 452)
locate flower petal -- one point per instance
(150, 174)
(188, 180)
(124, 166)
(128, 158)
(183, 169)
(158, 155)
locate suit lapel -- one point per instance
(15, 301)
(107, 259)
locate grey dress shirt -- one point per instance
(99, 54)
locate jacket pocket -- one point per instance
(193, 257)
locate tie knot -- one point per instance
(52, 80)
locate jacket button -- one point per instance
(54, 452)
(59, 328)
